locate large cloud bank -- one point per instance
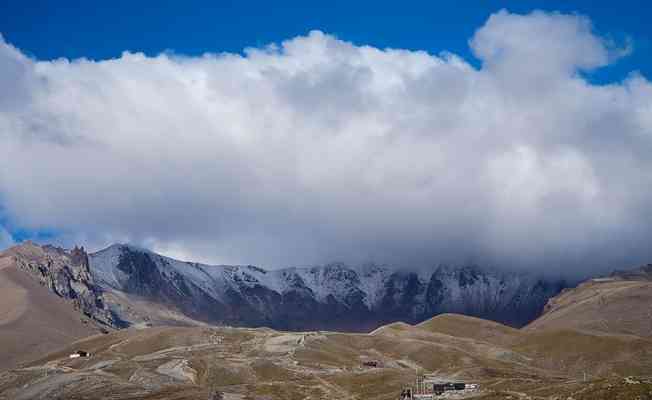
(317, 149)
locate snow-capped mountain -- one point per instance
(142, 286)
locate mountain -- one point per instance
(142, 287)
(42, 291)
(560, 355)
(67, 274)
(72, 294)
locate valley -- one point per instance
(150, 340)
(260, 363)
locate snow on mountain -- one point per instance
(331, 296)
(104, 271)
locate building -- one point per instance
(428, 387)
(79, 353)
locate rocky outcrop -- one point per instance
(68, 275)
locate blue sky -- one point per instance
(529, 146)
(73, 29)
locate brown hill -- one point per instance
(192, 363)
(606, 305)
(472, 328)
(33, 320)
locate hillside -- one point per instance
(33, 319)
(606, 305)
(246, 363)
(472, 328)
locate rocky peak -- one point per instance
(65, 273)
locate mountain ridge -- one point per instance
(331, 296)
(125, 285)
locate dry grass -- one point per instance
(621, 307)
(537, 363)
(471, 328)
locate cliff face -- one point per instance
(67, 274)
(331, 297)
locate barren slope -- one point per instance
(189, 363)
(471, 327)
(605, 305)
(33, 320)
(253, 363)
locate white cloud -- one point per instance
(6, 240)
(317, 149)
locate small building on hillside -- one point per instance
(371, 364)
(430, 387)
(80, 354)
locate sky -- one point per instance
(74, 29)
(512, 134)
